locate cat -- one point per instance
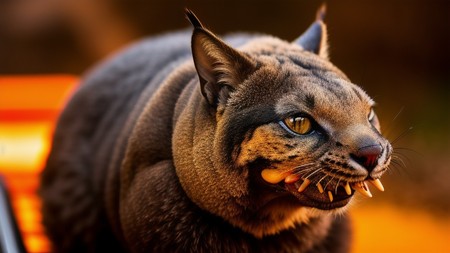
(187, 142)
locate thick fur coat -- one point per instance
(161, 148)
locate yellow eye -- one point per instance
(299, 125)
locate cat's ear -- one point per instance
(220, 67)
(315, 39)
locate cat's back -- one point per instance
(110, 90)
(88, 129)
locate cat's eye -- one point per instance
(371, 115)
(299, 124)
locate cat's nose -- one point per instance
(367, 156)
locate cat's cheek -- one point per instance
(266, 144)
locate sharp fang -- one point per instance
(330, 195)
(305, 184)
(377, 183)
(362, 188)
(291, 179)
(319, 186)
(273, 176)
(347, 188)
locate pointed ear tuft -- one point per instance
(220, 67)
(315, 39)
(321, 12)
(190, 16)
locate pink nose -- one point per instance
(368, 156)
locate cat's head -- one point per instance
(289, 132)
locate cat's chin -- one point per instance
(311, 197)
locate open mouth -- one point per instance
(323, 195)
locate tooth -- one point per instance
(362, 188)
(377, 183)
(347, 189)
(319, 186)
(330, 195)
(291, 179)
(305, 184)
(273, 176)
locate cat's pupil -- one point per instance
(299, 125)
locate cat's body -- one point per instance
(148, 159)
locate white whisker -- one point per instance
(314, 172)
(322, 178)
(301, 166)
(329, 181)
(304, 165)
(399, 159)
(336, 188)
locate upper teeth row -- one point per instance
(274, 176)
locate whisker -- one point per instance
(314, 172)
(300, 166)
(398, 154)
(322, 178)
(329, 181)
(408, 154)
(399, 160)
(399, 112)
(391, 123)
(336, 188)
(399, 168)
(398, 165)
(401, 135)
(404, 157)
(304, 171)
(304, 165)
(407, 149)
(393, 168)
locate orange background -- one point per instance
(29, 106)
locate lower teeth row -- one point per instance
(273, 176)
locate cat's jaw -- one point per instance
(280, 215)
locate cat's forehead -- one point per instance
(280, 53)
(324, 96)
(300, 81)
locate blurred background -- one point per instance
(398, 51)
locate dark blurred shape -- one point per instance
(10, 239)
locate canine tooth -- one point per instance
(347, 189)
(319, 186)
(273, 176)
(377, 183)
(305, 184)
(291, 179)
(362, 188)
(330, 195)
